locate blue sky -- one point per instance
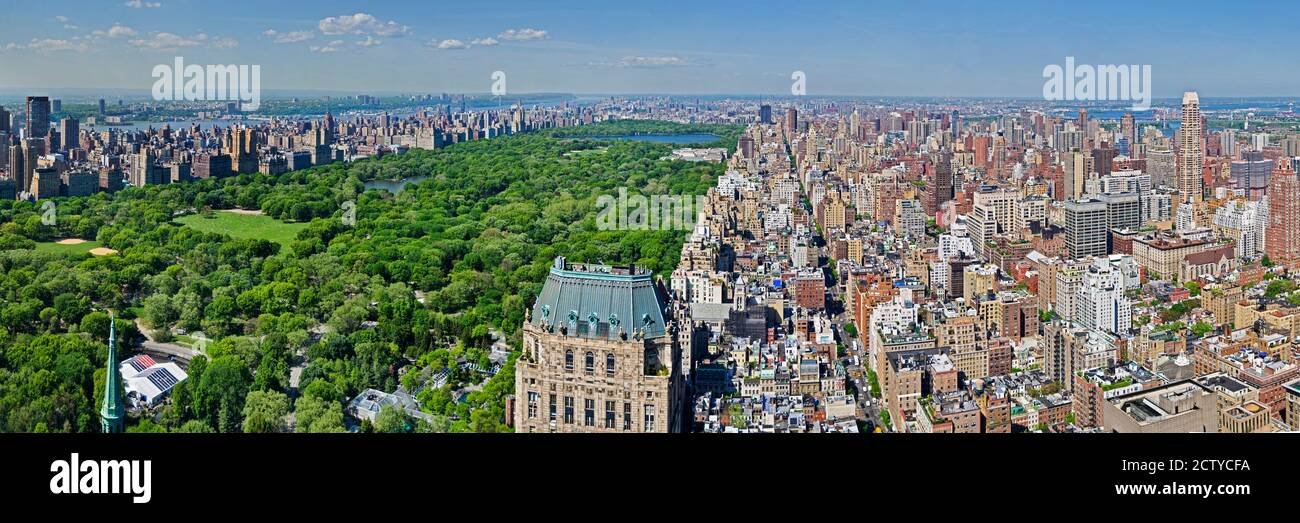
(923, 48)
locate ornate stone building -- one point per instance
(601, 354)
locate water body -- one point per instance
(659, 138)
(394, 186)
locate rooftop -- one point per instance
(599, 301)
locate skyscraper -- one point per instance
(1102, 159)
(1076, 174)
(38, 117)
(69, 131)
(1190, 149)
(17, 164)
(1127, 129)
(1163, 167)
(243, 150)
(22, 170)
(943, 179)
(4, 120)
(1085, 228)
(1282, 237)
(791, 120)
(1250, 174)
(765, 114)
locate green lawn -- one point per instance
(576, 153)
(81, 248)
(244, 226)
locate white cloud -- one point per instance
(370, 41)
(333, 46)
(647, 62)
(653, 61)
(61, 19)
(449, 44)
(137, 4)
(485, 41)
(47, 45)
(165, 40)
(360, 24)
(526, 33)
(392, 28)
(117, 31)
(289, 37)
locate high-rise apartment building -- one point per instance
(38, 117)
(70, 132)
(1190, 150)
(1100, 303)
(943, 178)
(1127, 130)
(1076, 174)
(1250, 174)
(1085, 228)
(1282, 237)
(1162, 167)
(909, 219)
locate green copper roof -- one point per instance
(114, 408)
(599, 301)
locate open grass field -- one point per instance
(577, 153)
(67, 246)
(244, 226)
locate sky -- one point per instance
(867, 48)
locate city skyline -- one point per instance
(245, 245)
(587, 48)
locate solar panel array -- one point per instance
(163, 379)
(142, 362)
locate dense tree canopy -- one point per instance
(413, 290)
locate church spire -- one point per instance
(114, 409)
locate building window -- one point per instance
(568, 360)
(609, 414)
(649, 417)
(627, 416)
(532, 404)
(590, 363)
(589, 412)
(568, 409)
(553, 407)
(609, 364)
